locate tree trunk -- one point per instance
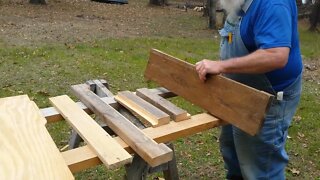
(314, 17)
(37, 1)
(211, 5)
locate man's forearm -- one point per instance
(260, 61)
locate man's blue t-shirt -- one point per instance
(269, 24)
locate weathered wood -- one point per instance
(101, 90)
(172, 172)
(163, 92)
(137, 170)
(142, 108)
(83, 158)
(147, 148)
(107, 149)
(27, 150)
(238, 104)
(52, 115)
(176, 113)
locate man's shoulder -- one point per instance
(271, 3)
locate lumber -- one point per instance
(142, 108)
(27, 150)
(238, 104)
(52, 115)
(176, 113)
(153, 153)
(101, 90)
(108, 150)
(83, 157)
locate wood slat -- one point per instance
(240, 105)
(27, 150)
(107, 149)
(142, 108)
(101, 90)
(176, 113)
(52, 115)
(82, 158)
(154, 154)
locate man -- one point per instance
(260, 48)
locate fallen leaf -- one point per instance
(301, 135)
(294, 171)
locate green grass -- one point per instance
(49, 70)
(309, 43)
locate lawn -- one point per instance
(46, 70)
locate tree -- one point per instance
(314, 17)
(211, 8)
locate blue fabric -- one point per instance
(262, 156)
(269, 24)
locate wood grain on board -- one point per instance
(27, 150)
(238, 104)
(107, 149)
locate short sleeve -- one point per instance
(273, 27)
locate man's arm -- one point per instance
(260, 61)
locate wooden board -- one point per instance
(107, 149)
(52, 115)
(153, 153)
(240, 105)
(101, 90)
(27, 150)
(83, 157)
(176, 113)
(142, 108)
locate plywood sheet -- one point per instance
(27, 150)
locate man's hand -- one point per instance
(206, 66)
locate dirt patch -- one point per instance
(69, 21)
(312, 71)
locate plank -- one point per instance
(83, 157)
(27, 150)
(238, 104)
(142, 108)
(153, 153)
(176, 113)
(107, 149)
(101, 90)
(52, 115)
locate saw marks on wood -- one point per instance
(27, 150)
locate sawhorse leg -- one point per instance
(139, 169)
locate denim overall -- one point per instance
(262, 156)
